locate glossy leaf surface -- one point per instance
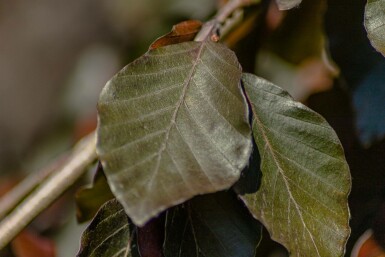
(306, 181)
(375, 23)
(214, 225)
(108, 234)
(172, 125)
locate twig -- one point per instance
(10, 200)
(83, 154)
(210, 28)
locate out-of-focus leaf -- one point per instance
(109, 234)
(306, 181)
(89, 199)
(301, 81)
(29, 244)
(288, 65)
(301, 31)
(173, 124)
(375, 24)
(181, 32)
(369, 103)
(287, 4)
(214, 225)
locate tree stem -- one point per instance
(83, 154)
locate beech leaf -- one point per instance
(109, 234)
(173, 124)
(181, 32)
(213, 225)
(302, 200)
(287, 4)
(375, 24)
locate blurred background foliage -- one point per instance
(57, 55)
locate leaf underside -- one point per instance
(172, 125)
(287, 4)
(306, 181)
(90, 198)
(375, 24)
(108, 234)
(213, 225)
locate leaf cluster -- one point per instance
(177, 128)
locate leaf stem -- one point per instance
(83, 154)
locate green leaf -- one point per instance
(287, 4)
(375, 24)
(214, 225)
(172, 125)
(306, 181)
(90, 198)
(109, 234)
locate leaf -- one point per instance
(214, 225)
(172, 125)
(300, 65)
(151, 237)
(287, 4)
(90, 198)
(181, 32)
(109, 234)
(375, 24)
(305, 184)
(251, 176)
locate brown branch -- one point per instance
(83, 154)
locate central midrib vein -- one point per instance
(175, 114)
(280, 170)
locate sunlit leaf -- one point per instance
(89, 199)
(305, 183)
(109, 234)
(214, 225)
(375, 23)
(287, 4)
(172, 125)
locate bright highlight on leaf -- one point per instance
(287, 4)
(375, 24)
(172, 125)
(305, 183)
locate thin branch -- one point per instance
(210, 28)
(83, 154)
(10, 200)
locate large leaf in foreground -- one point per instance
(173, 124)
(109, 233)
(305, 183)
(213, 225)
(375, 23)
